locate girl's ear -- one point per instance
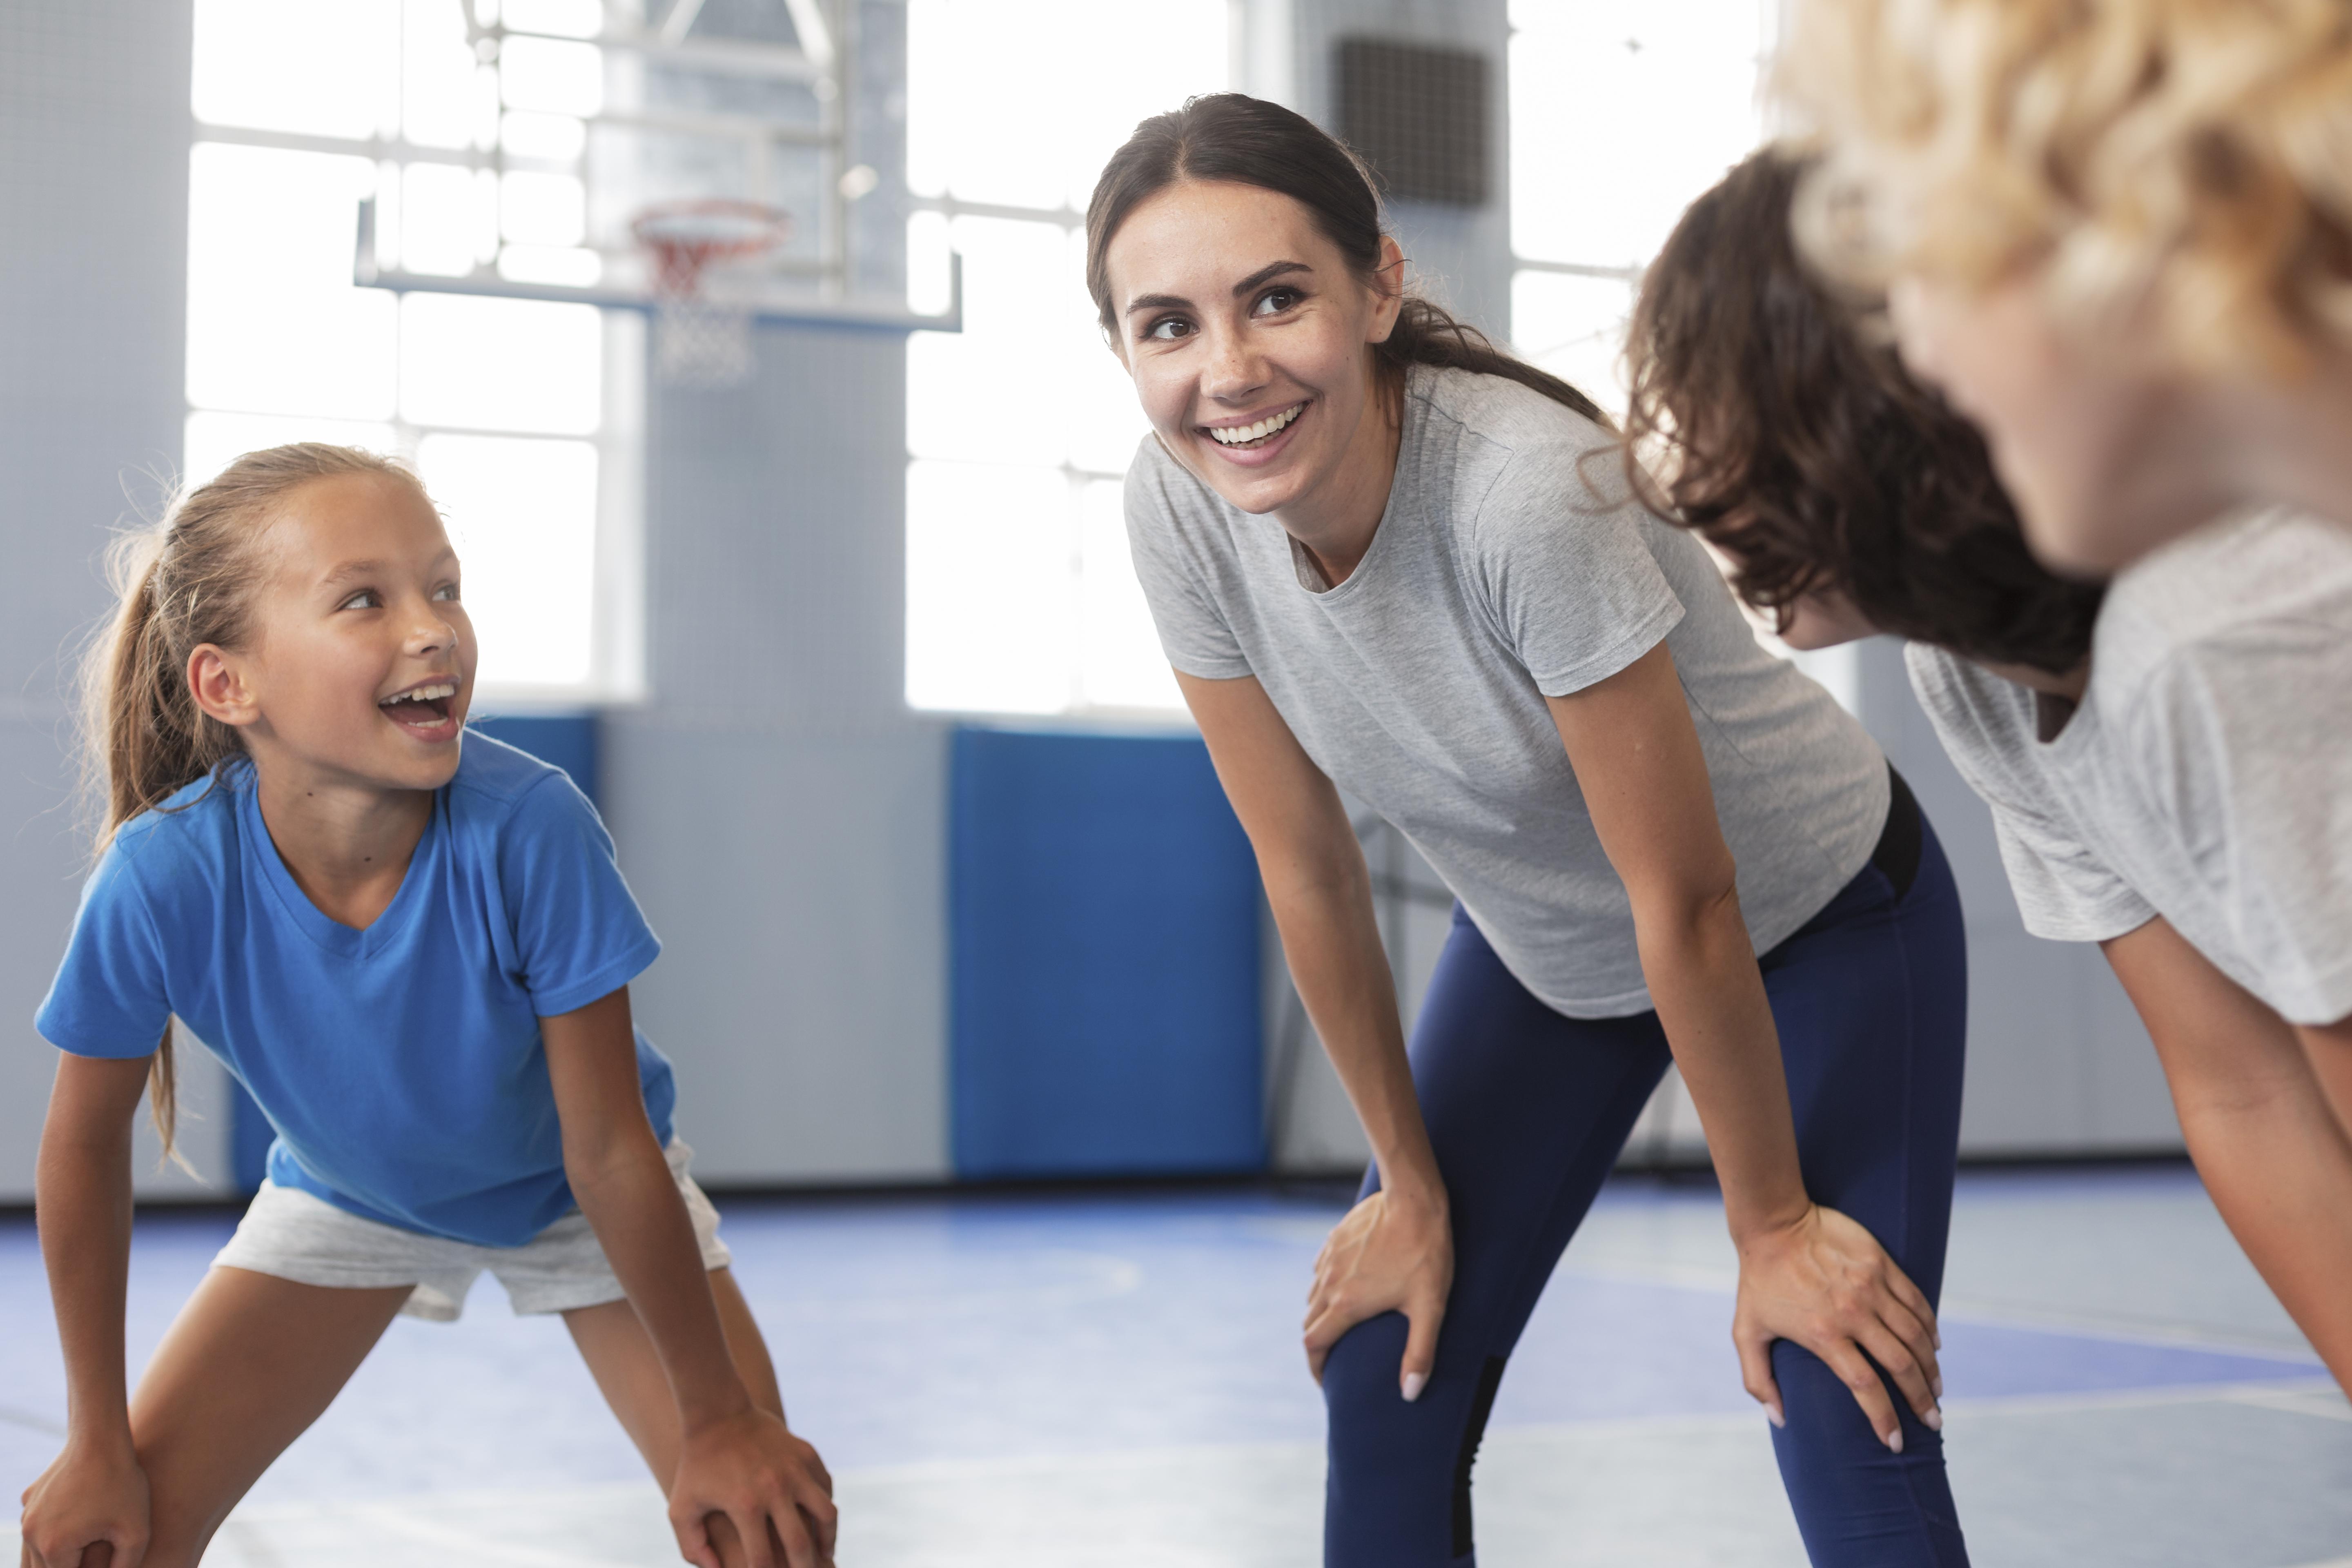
(1388, 286)
(216, 681)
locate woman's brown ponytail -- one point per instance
(188, 581)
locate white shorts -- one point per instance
(296, 1235)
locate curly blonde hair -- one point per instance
(2184, 165)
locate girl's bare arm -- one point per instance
(2273, 1157)
(1808, 1274)
(737, 1459)
(1395, 1250)
(95, 1491)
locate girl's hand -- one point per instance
(755, 1475)
(1824, 1282)
(1393, 1252)
(89, 1510)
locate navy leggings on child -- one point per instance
(1527, 1110)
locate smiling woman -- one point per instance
(1385, 556)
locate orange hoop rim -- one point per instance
(685, 237)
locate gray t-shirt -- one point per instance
(1511, 564)
(2206, 776)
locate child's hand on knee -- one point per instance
(87, 1510)
(750, 1494)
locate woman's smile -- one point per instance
(1254, 440)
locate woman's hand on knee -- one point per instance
(751, 1494)
(1825, 1284)
(89, 1497)
(1393, 1252)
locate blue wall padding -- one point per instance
(1103, 941)
(566, 740)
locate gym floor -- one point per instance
(1060, 1380)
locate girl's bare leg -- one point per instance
(250, 1361)
(620, 1356)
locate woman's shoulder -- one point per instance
(2235, 586)
(1509, 417)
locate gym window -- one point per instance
(522, 415)
(1020, 597)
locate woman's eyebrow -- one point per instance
(1268, 274)
(1249, 285)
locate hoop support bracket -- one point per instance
(878, 315)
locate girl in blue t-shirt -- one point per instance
(414, 948)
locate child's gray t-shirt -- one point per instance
(2206, 775)
(1510, 565)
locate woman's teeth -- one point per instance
(1249, 435)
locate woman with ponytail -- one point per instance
(1386, 557)
(414, 948)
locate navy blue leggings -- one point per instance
(1527, 1110)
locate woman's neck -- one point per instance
(2292, 441)
(346, 843)
(1336, 521)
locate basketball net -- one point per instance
(698, 342)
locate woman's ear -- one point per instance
(216, 681)
(1388, 286)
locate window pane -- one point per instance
(522, 514)
(439, 75)
(1617, 128)
(214, 440)
(551, 77)
(1575, 328)
(991, 573)
(449, 218)
(1119, 661)
(297, 65)
(1110, 66)
(274, 322)
(543, 209)
(996, 392)
(500, 365)
(572, 18)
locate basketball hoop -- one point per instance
(697, 342)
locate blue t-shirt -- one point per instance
(401, 1066)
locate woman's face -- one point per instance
(1250, 340)
(2088, 436)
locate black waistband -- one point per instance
(1897, 854)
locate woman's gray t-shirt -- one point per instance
(1512, 565)
(2206, 775)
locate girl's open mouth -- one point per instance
(421, 707)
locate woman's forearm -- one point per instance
(2280, 1172)
(1700, 966)
(82, 1197)
(632, 1201)
(1331, 941)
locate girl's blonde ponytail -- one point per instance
(188, 581)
